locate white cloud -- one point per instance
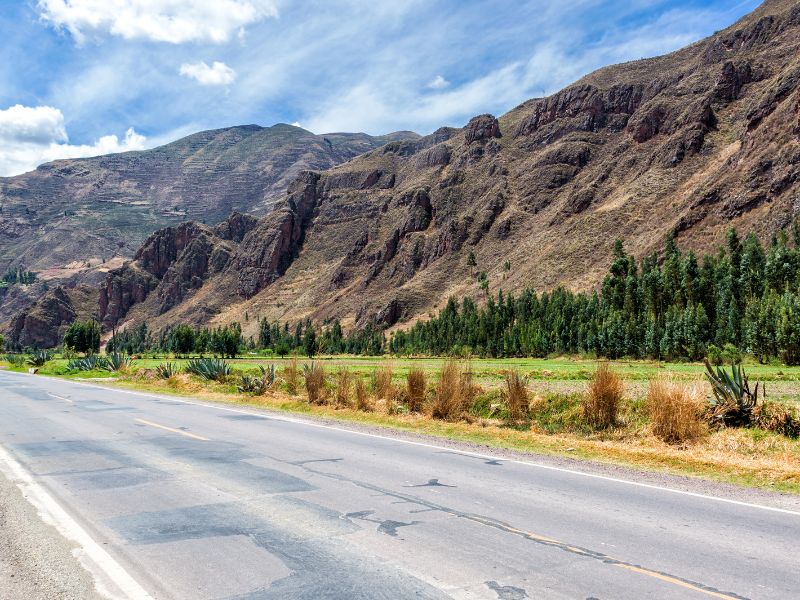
(173, 21)
(438, 83)
(217, 74)
(30, 136)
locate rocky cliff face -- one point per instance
(75, 210)
(42, 324)
(689, 144)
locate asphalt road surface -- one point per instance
(168, 498)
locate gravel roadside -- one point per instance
(36, 562)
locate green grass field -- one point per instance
(559, 375)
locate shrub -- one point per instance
(344, 382)
(90, 363)
(415, 389)
(291, 375)
(777, 418)
(166, 370)
(39, 358)
(362, 396)
(734, 402)
(257, 384)
(602, 399)
(516, 397)
(383, 382)
(16, 360)
(211, 369)
(731, 354)
(115, 362)
(675, 409)
(314, 376)
(453, 392)
(714, 355)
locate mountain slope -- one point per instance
(687, 144)
(94, 209)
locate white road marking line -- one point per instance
(59, 397)
(173, 430)
(111, 579)
(434, 446)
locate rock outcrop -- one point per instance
(43, 324)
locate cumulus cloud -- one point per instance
(32, 135)
(217, 74)
(438, 83)
(173, 21)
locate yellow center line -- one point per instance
(607, 559)
(675, 581)
(179, 431)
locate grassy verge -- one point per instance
(747, 457)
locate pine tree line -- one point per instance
(668, 306)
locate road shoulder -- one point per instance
(36, 561)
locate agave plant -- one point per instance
(734, 402)
(16, 360)
(115, 362)
(166, 370)
(252, 384)
(213, 369)
(39, 358)
(89, 363)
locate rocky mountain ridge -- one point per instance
(686, 144)
(76, 210)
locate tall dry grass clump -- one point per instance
(415, 389)
(362, 396)
(517, 397)
(603, 397)
(344, 382)
(676, 410)
(314, 376)
(291, 375)
(454, 392)
(383, 382)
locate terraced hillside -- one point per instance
(69, 213)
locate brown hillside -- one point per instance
(690, 143)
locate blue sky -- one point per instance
(84, 77)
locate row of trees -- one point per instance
(19, 275)
(181, 340)
(227, 341)
(668, 306)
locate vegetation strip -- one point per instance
(666, 424)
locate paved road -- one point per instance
(175, 499)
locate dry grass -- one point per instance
(516, 397)
(454, 392)
(344, 383)
(737, 455)
(415, 389)
(383, 382)
(676, 410)
(314, 376)
(603, 397)
(291, 375)
(363, 402)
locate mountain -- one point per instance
(70, 214)
(686, 144)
